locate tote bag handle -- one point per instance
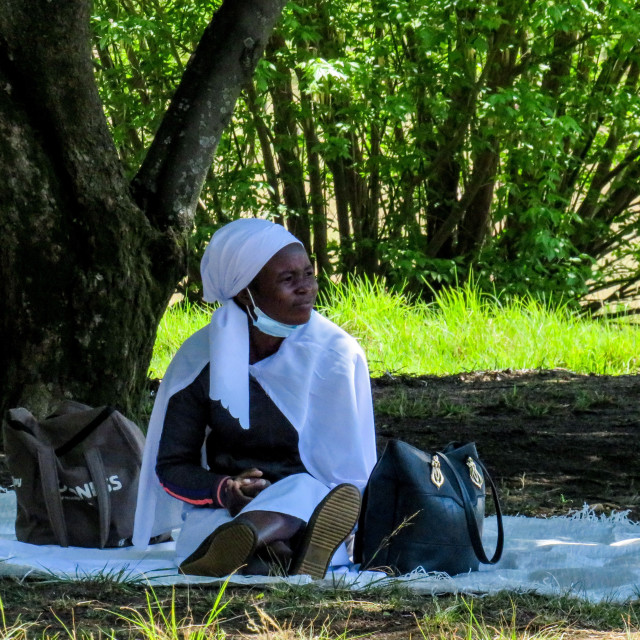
(98, 475)
(50, 483)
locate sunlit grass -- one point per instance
(177, 324)
(463, 329)
(460, 622)
(158, 623)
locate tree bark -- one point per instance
(341, 194)
(86, 269)
(285, 127)
(265, 148)
(316, 195)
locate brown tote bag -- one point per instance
(75, 475)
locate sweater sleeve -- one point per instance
(179, 462)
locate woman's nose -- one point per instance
(307, 283)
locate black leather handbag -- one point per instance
(426, 510)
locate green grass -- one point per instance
(418, 405)
(158, 623)
(287, 612)
(177, 324)
(462, 330)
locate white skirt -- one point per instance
(297, 495)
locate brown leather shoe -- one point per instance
(331, 522)
(226, 550)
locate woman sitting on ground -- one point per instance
(261, 438)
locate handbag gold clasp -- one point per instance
(475, 475)
(436, 473)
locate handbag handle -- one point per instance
(51, 492)
(47, 463)
(86, 431)
(472, 523)
(93, 458)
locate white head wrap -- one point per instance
(232, 260)
(236, 254)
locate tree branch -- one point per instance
(479, 179)
(169, 182)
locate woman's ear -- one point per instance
(243, 298)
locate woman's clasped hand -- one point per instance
(241, 489)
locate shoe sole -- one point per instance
(332, 521)
(224, 551)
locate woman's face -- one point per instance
(286, 288)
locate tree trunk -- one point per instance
(316, 195)
(265, 148)
(341, 193)
(86, 270)
(500, 73)
(285, 128)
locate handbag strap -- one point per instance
(472, 523)
(50, 483)
(76, 439)
(93, 458)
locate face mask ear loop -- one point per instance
(252, 312)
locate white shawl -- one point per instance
(318, 377)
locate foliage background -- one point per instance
(420, 142)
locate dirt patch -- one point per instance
(552, 440)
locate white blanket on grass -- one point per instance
(582, 555)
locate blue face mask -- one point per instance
(268, 325)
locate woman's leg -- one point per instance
(273, 521)
(296, 496)
(235, 544)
